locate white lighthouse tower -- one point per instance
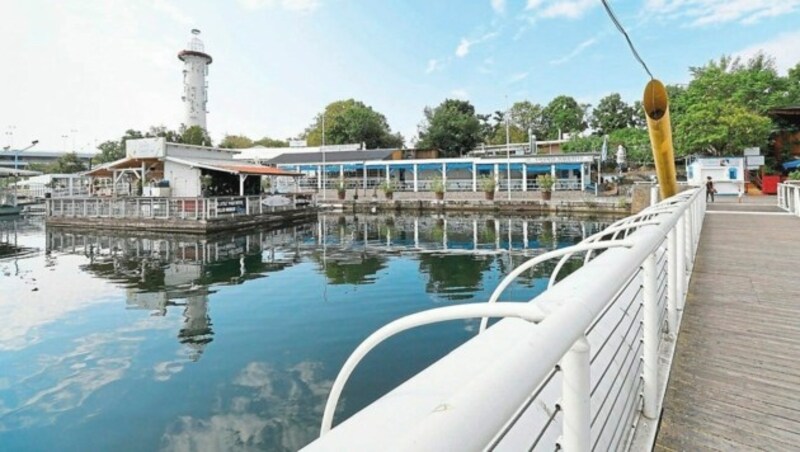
(195, 90)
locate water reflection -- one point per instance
(242, 333)
(163, 271)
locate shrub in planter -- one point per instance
(546, 183)
(437, 187)
(341, 189)
(488, 186)
(387, 187)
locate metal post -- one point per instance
(672, 282)
(524, 177)
(681, 263)
(650, 328)
(576, 398)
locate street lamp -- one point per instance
(16, 152)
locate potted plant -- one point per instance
(546, 183)
(437, 186)
(488, 186)
(341, 189)
(387, 187)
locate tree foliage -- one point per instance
(611, 113)
(564, 114)
(351, 121)
(268, 142)
(197, 136)
(236, 142)
(452, 127)
(67, 163)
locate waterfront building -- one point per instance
(25, 159)
(727, 173)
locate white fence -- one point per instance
(789, 197)
(576, 368)
(425, 185)
(172, 208)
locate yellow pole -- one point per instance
(656, 109)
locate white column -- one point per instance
(365, 179)
(319, 177)
(416, 233)
(681, 263)
(583, 176)
(576, 398)
(654, 195)
(242, 177)
(341, 171)
(444, 235)
(524, 177)
(444, 175)
(387, 174)
(672, 282)
(525, 234)
(496, 177)
(474, 177)
(70, 186)
(416, 178)
(650, 338)
(553, 175)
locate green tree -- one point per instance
(611, 113)
(236, 142)
(515, 135)
(351, 121)
(719, 128)
(451, 127)
(527, 116)
(636, 142)
(68, 163)
(110, 151)
(268, 142)
(579, 143)
(197, 136)
(172, 136)
(563, 114)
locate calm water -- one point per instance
(115, 341)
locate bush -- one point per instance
(794, 175)
(387, 187)
(487, 184)
(546, 182)
(437, 185)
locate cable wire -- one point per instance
(627, 38)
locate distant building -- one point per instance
(39, 157)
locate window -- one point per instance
(732, 173)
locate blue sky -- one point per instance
(85, 71)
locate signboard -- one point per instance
(298, 143)
(230, 205)
(755, 161)
(145, 148)
(752, 151)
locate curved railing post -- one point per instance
(576, 397)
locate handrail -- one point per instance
(430, 411)
(789, 197)
(531, 263)
(524, 311)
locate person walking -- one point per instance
(710, 190)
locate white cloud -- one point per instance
(499, 6)
(460, 93)
(783, 48)
(303, 6)
(433, 64)
(172, 12)
(464, 46)
(552, 9)
(518, 77)
(707, 12)
(575, 52)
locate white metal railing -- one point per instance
(574, 368)
(172, 208)
(789, 197)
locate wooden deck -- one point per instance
(735, 379)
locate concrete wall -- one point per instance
(184, 181)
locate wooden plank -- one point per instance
(735, 379)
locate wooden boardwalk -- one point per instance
(735, 378)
